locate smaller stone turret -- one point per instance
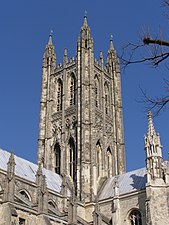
(65, 58)
(49, 57)
(48, 68)
(10, 180)
(42, 191)
(153, 150)
(111, 55)
(116, 203)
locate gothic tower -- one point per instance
(81, 128)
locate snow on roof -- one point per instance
(27, 170)
(128, 182)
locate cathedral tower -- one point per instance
(81, 128)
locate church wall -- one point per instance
(126, 204)
(157, 204)
(106, 209)
(130, 202)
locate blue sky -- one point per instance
(25, 27)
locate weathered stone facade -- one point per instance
(80, 177)
(81, 128)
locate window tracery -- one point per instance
(72, 159)
(59, 95)
(135, 217)
(97, 91)
(24, 194)
(58, 158)
(98, 158)
(107, 99)
(72, 90)
(109, 162)
(51, 204)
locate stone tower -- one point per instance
(81, 127)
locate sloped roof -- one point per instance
(128, 182)
(27, 170)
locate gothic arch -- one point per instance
(97, 91)
(134, 217)
(57, 150)
(72, 158)
(52, 204)
(99, 158)
(107, 98)
(25, 194)
(71, 89)
(109, 161)
(59, 94)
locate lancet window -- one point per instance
(25, 195)
(109, 162)
(72, 159)
(107, 99)
(98, 158)
(59, 95)
(58, 158)
(135, 217)
(97, 91)
(72, 90)
(51, 205)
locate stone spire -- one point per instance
(42, 191)
(65, 58)
(9, 189)
(11, 166)
(48, 68)
(49, 57)
(153, 150)
(111, 43)
(85, 24)
(153, 145)
(151, 130)
(111, 55)
(85, 34)
(116, 203)
(101, 59)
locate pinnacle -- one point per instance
(12, 157)
(151, 129)
(111, 43)
(50, 38)
(85, 24)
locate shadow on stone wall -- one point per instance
(139, 182)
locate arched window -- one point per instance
(72, 159)
(58, 160)
(59, 95)
(109, 162)
(97, 91)
(98, 158)
(86, 43)
(135, 217)
(25, 195)
(51, 205)
(72, 90)
(107, 99)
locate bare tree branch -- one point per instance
(148, 41)
(154, 104)
(153, 51)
